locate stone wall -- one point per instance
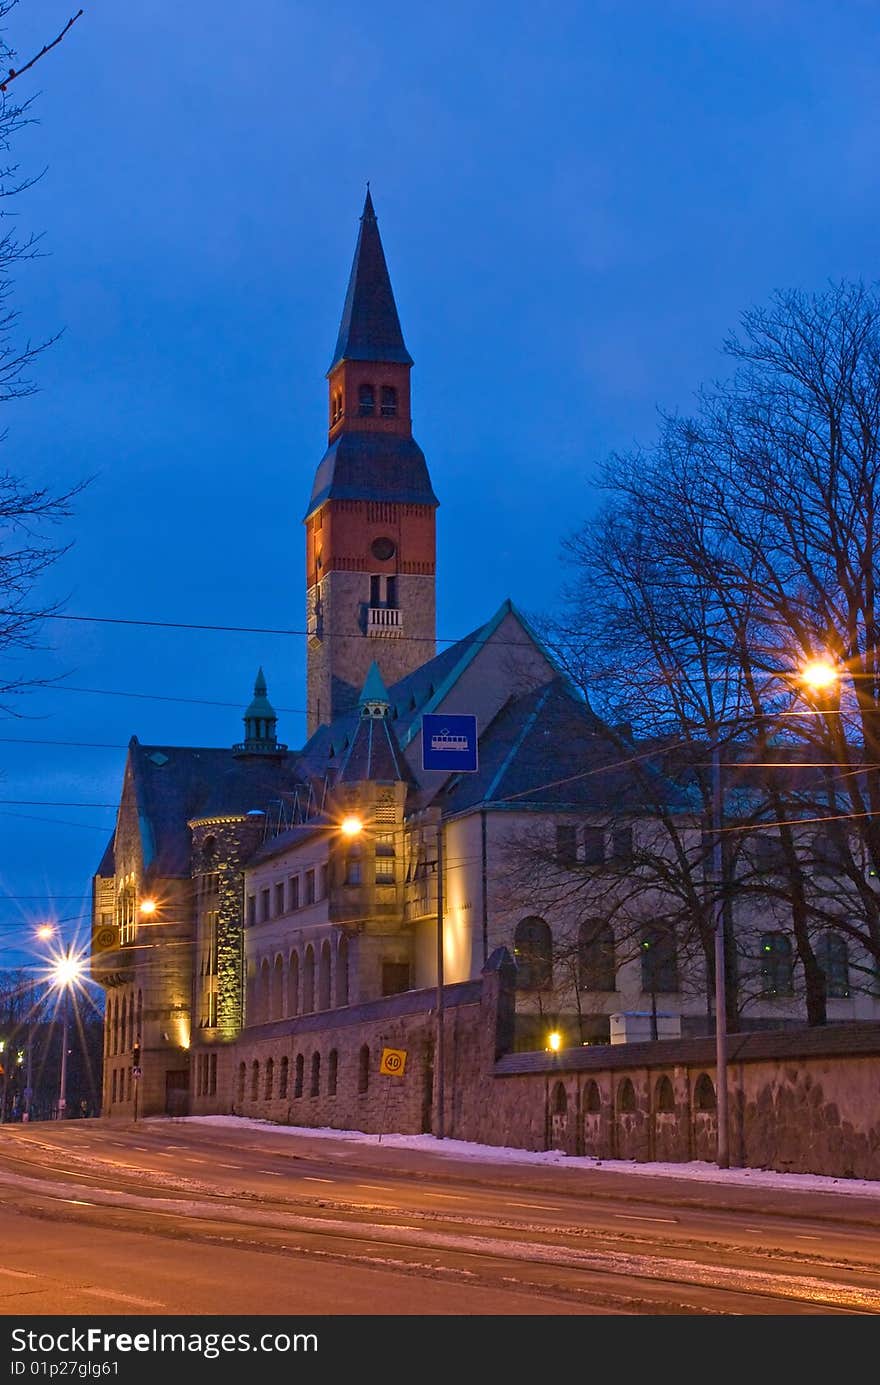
(801, 1101)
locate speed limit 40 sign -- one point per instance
(393, 1062)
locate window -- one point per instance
(212, 1074)
(251, 910)
(308, 996)
(592, 1099)
(342, 971)
(559, 1100)
(777, 972)
(833, 957)
(389, 401)
(769, 853)
(310, 887)
(283, 1071)
(270, 1079)
(293, 893)
(594, 846)
(113, 1086)
(395, 977)
(322, 883)
(324, 976)
(255, 1080)
(353, 868)
(622, 845)
(533, 952)
(293, 984)
(391, 593)
(264, 905)
(315, 1084)
(299, 1073)
(242, 1076)
(364, 1068)
(279, 898)
(566, 845)
(829, 852)
(659, 961)
(385, 858)
(596, 965)
(366, 401)
(375, 592)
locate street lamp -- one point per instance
(65, 974)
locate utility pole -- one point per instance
(441, 1054)
(722, 1151)
(62, 1086)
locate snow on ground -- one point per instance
(494, 1154)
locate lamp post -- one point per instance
(722, 1152)
(441, 1037)
(65, 973)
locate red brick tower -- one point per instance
(370, 550)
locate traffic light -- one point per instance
(136, 1056)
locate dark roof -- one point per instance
(174, 784)
(375, 754)
(373, 466)
(546, 749)
(108, 860)
(370, 327)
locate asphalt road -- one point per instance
(177, 1217)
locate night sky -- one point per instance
(577, 201)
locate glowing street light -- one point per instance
(66, 972)
(45, 931)
(351, 826)
(148, 906)
(554, 1041)
(819, 675)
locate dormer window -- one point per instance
(389, 401)
(366, 401)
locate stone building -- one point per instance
(266, 920)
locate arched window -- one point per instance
(309, 981)
(364, 1068)
(777, 971)
(123, 1023)
(113, 1086)
(592, 1099)
(293, 984)
(659, 960)
(332, 1072)
(278, 989)
(299, 1074)
(265, 992)
(315, 1084)
(131, 1021)
(704, 1093)
(626, 1096)
(664, 1097)
(833, 957)
(389, 401)
(270, 1079)
(559, 1101)
(242, 1077)
(342, 970)
(255, 1080)
(283, 1072)
(533, 950)
(139, 1021)
(115, 1011)
(596, 965)
(366, 401)
(324, 976)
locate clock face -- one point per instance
(383, 549)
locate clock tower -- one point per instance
(370, 547)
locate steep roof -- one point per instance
(546, 749)
(373, 466)
(370, 328)
(174, 784)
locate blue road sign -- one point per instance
(449, 742)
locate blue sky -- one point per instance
(577, 201)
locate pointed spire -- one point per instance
(374, 694)
(370, 328)
(260, 721)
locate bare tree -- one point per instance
(739, 547)
(28, 510)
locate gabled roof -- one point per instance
(546, 749)
(174, 784)
(370, 328)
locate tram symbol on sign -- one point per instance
(393, 1062)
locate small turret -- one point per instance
(260, 721)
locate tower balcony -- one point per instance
(384, 620)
